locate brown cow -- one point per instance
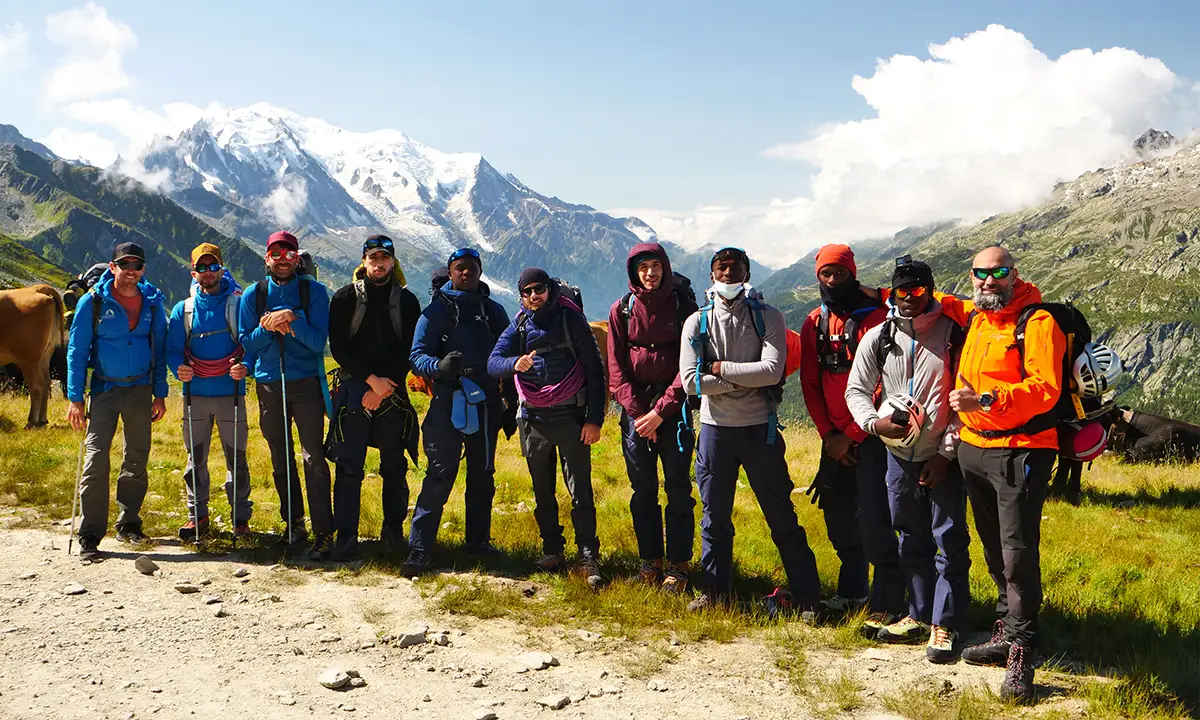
(31, 327)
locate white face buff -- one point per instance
(727, 290)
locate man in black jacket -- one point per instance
(371, 323)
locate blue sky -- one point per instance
(666, 105)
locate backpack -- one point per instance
(360, 307)
(571, 292)
(839, 362)
(685, 303)
(307, 265)
(452, 308)
(231, 318)
(260, 293)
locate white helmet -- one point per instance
(916, 415)
(1096, 370)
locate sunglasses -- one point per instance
(532, 290)
(282, 254)
(463, 253)
(211, 267)
(918, 291)
(375, 244)
(983, 273)
(131, 264)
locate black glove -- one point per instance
(814, 493)
(451, 365)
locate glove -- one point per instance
(451, 365)
(814, 493)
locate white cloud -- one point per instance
(986, 124)
(86, 146)
(14, 47)
(286, 202)
(92, 65)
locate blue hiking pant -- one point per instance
(932, 523)
(443, 448)
(720, 453)
(642, 458)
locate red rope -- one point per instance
(213, 368)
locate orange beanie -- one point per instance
(837, 255)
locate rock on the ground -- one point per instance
(441, 639)
(416, 636)
(426, 699)
(241, 572)
(74, 589)
(657, 685)
(145, 565)
(554, 701)
(333, 678)
(329, 638)
(217, 610)
(537, 660)
(187, 588)
(210, 599)
(357, 682)
(477, 681)
(27, 576)
(589, 636)
(483, 714)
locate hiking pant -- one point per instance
(132, 406)
(384, 428)
(1007, 487)
(854, 500)
(932, 523)
(306, 406)
(443, 449)
(544, 445)
(205, 411)
(720, 453)
(641, 461)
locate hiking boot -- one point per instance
(393, 538)
(322, 547)
(188, 533)
(295, 533)
(838, 605)
(345, 550)
(994, 652)
(874, 622)
(550, 562)
(89, 549)
(703, 601)
(906, 631)
(676, 579)
(132, 535)
(650, 573)
(417, 563)
(483, 551)
(940, 648)
(780, 602)
(1018, 675)
(589, 567)
(241, 530)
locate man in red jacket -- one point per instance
(849, 486)
(643, 374)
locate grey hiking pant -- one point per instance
(132, 406)
(306, 407)
(545, 445)
(204, 412)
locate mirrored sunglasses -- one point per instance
(999, 273)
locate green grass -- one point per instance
(1120, 571)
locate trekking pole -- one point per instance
(287, 434)
(78, 478)
(237, 385)
(187, 408)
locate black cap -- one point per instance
(379, 242)
(128, 249)
(912, 274)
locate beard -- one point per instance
(993, 301)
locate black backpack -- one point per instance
(570, 292)
(839, 362)
(260, 294)
(685, 302)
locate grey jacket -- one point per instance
(748, 362)
(916, 365)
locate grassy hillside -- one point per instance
(20, 267)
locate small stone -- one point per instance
(483, 714)
(348, 708)
(477, 682)
(217, 610)
(333, 678)
(145, 565)
(602, 674)
(446, 526)
(297, 650)
(155, 690)
(426, 699)
(661, 686)
(578, 697)
(352, 673)
(210, 599)
(128, 684)
(287, 700)
(187, 588)
(611, 690)
(50, 546)
(268, 597)
(329, 638)
(412, 637)
(588, 636)
(554, 702)
(205, 581)
(779, 685)
(519, 688)
(538, 660)
(595, 692)
(357, 682)
(74, 589)
(441, 640)
(27, 576)
(241, 572)
(274, 567)
(367, 645)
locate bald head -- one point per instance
(993, 257)
(993, 273)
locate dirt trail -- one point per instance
(134, 646)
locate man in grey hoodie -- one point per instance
(732, 356)
(915, 353)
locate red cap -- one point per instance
(283, 237)
(837, 255)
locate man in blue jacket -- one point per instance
(284, 323)
(451, 345)
(119, 331)
(559, 371)
(204, 352)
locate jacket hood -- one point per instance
(228, 285)
(360, 273)
(920, 323)
(482, 291)
(104, 286)
(635, 286)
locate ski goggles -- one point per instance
(1000, 273)
(131, 264)
(918, 291)
(282, 254)
(210, 267)
(376, 243)
(535, 289)
(461, 253)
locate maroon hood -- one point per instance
(652, 298)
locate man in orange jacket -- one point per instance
(1009, 442)
(849, 486)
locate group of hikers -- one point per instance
(921, 400)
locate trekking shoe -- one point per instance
(241, 530)
(940, 648)
(650, 573)
(994, 652)
(676, 579)
(295, 533)
(589, 567)
(322, 547)
(876, 621)
(345, 550)
(132, 535)
(89, 549)
(483, 551)
(703, 601)
(188, 533)
(550, 563)
(1018, 675)
(393, 538)
(779, 602)
(417, 563)
(838, 605)
(906, 631)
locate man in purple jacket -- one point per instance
(643, 374)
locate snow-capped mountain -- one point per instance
(337, 186)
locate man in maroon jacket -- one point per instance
(643, 374)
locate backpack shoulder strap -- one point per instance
(232, 302)
(1019, 332)
(523, 332)
(452, 309)
(189, 317)
(760, 319)
(260, 297)
(305, 292)
(394, 309)
(887, 340)
(566, 328)
(360, 306)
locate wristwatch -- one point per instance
(986, 400)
